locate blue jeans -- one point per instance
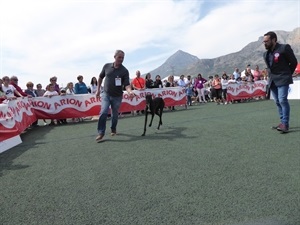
(280, 95)
(115, 103)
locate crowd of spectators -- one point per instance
(198, 89)
(10, 90)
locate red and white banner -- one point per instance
(74, 106)
(246, 90)
(17, 115)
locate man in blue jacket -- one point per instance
(281, 64)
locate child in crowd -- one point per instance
(50, 93)
(209, 89)
(9, 90)
(63, 93)
(231, 80)
(70, 89)
(189, 94)
(40, 93)
(224, 84)
(33, 93)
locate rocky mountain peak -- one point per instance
(184, 63)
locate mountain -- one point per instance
(184, 63)
(176, 64)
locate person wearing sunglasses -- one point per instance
(14, 82)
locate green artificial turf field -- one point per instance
(209, 165)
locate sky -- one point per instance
(66, 38)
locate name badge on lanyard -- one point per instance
(118, 81)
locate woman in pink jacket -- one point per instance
(199, 86)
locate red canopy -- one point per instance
(297, 70)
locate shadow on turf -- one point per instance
(294, 129)
(170, 134)
(28, 142)
(264, 221)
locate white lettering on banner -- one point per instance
(12, 119)
(244, 87)
(176, 94)
(230, 89)
(235, 89)
(5, 113)
(58, 103)
(18, 107)
(261, 85)
(68, 102)
(87, 101)
(91, 100)
(40, 104)
(247, 90)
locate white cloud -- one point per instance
(66, 38)
(228, 29)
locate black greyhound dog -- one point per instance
(153, 106)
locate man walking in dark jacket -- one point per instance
(281, 64)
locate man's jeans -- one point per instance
(280, 95)
(115, 103)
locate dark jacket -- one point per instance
(157, 84)
(281, 65)
(32, 93)
(149, 83)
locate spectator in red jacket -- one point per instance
(14, 82)
(2, 94)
